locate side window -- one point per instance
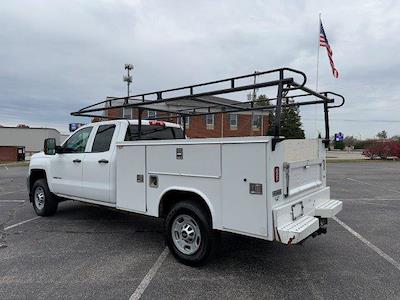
(152, 132)
(178, 133)
(77, 142)
(102, 140)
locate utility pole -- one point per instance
(128, 77)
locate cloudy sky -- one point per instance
(58, 56)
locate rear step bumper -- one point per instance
(298, 230)
(329, 208)
(289, 231)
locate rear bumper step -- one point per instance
(298, 230)
(328, 209)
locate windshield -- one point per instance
(153, 132)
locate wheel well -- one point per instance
(172, 197)
(35, 175)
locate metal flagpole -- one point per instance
(319, 29)
(316, 83)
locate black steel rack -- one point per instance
(195, 100)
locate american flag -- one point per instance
(323, 42)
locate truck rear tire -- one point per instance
(44, 202)
(188, 233)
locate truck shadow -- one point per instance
(233, 249)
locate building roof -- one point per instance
(27, 128)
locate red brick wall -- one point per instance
(197, 127)
(8, 153)
(115, 112)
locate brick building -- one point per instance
(207, 126)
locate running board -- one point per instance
(328, 209)
(298, 230)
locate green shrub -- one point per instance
(339, 145)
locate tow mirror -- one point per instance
(50, 146)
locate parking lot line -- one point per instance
(365, 199)
(14, 192)
(20, 223)
(149, 276)
(366, 183)
(369, 244)
(12, 201)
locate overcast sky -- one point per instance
(58, 56)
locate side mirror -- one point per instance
(50, 146)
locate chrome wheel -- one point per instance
(39, 197)
(186, 234)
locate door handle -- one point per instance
(103, 161)
(77, 161)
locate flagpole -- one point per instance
(319, 25)
(316, 82)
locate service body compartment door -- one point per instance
(185, 160)
(244, 204)
(131, 178)
(303, 175)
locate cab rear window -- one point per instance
(153, 132)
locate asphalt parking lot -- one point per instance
(85, 251)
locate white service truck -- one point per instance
(266, 187)
(199, 186)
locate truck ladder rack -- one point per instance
(198, 99)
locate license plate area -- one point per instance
(297, 210)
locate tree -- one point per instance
(291, 126)
(350, 141)
(382, 135)
(262, 100)
(396, 138)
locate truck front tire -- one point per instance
(44, 202)
(188, 233)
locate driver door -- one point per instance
(66, 167)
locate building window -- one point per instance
(233, 121)
(256, 122)
(187, 121)
(210, 122)
(127, 112)
(151, 114)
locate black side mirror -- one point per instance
(50, 146)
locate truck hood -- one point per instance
(38, 155)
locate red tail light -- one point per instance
(276, 174)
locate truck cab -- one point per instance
(83, 166)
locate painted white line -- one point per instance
(8, 193)
(377, 185)
(20, 223)
(12, 201)
(365, 199)
(389, 259)
(149, 276)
